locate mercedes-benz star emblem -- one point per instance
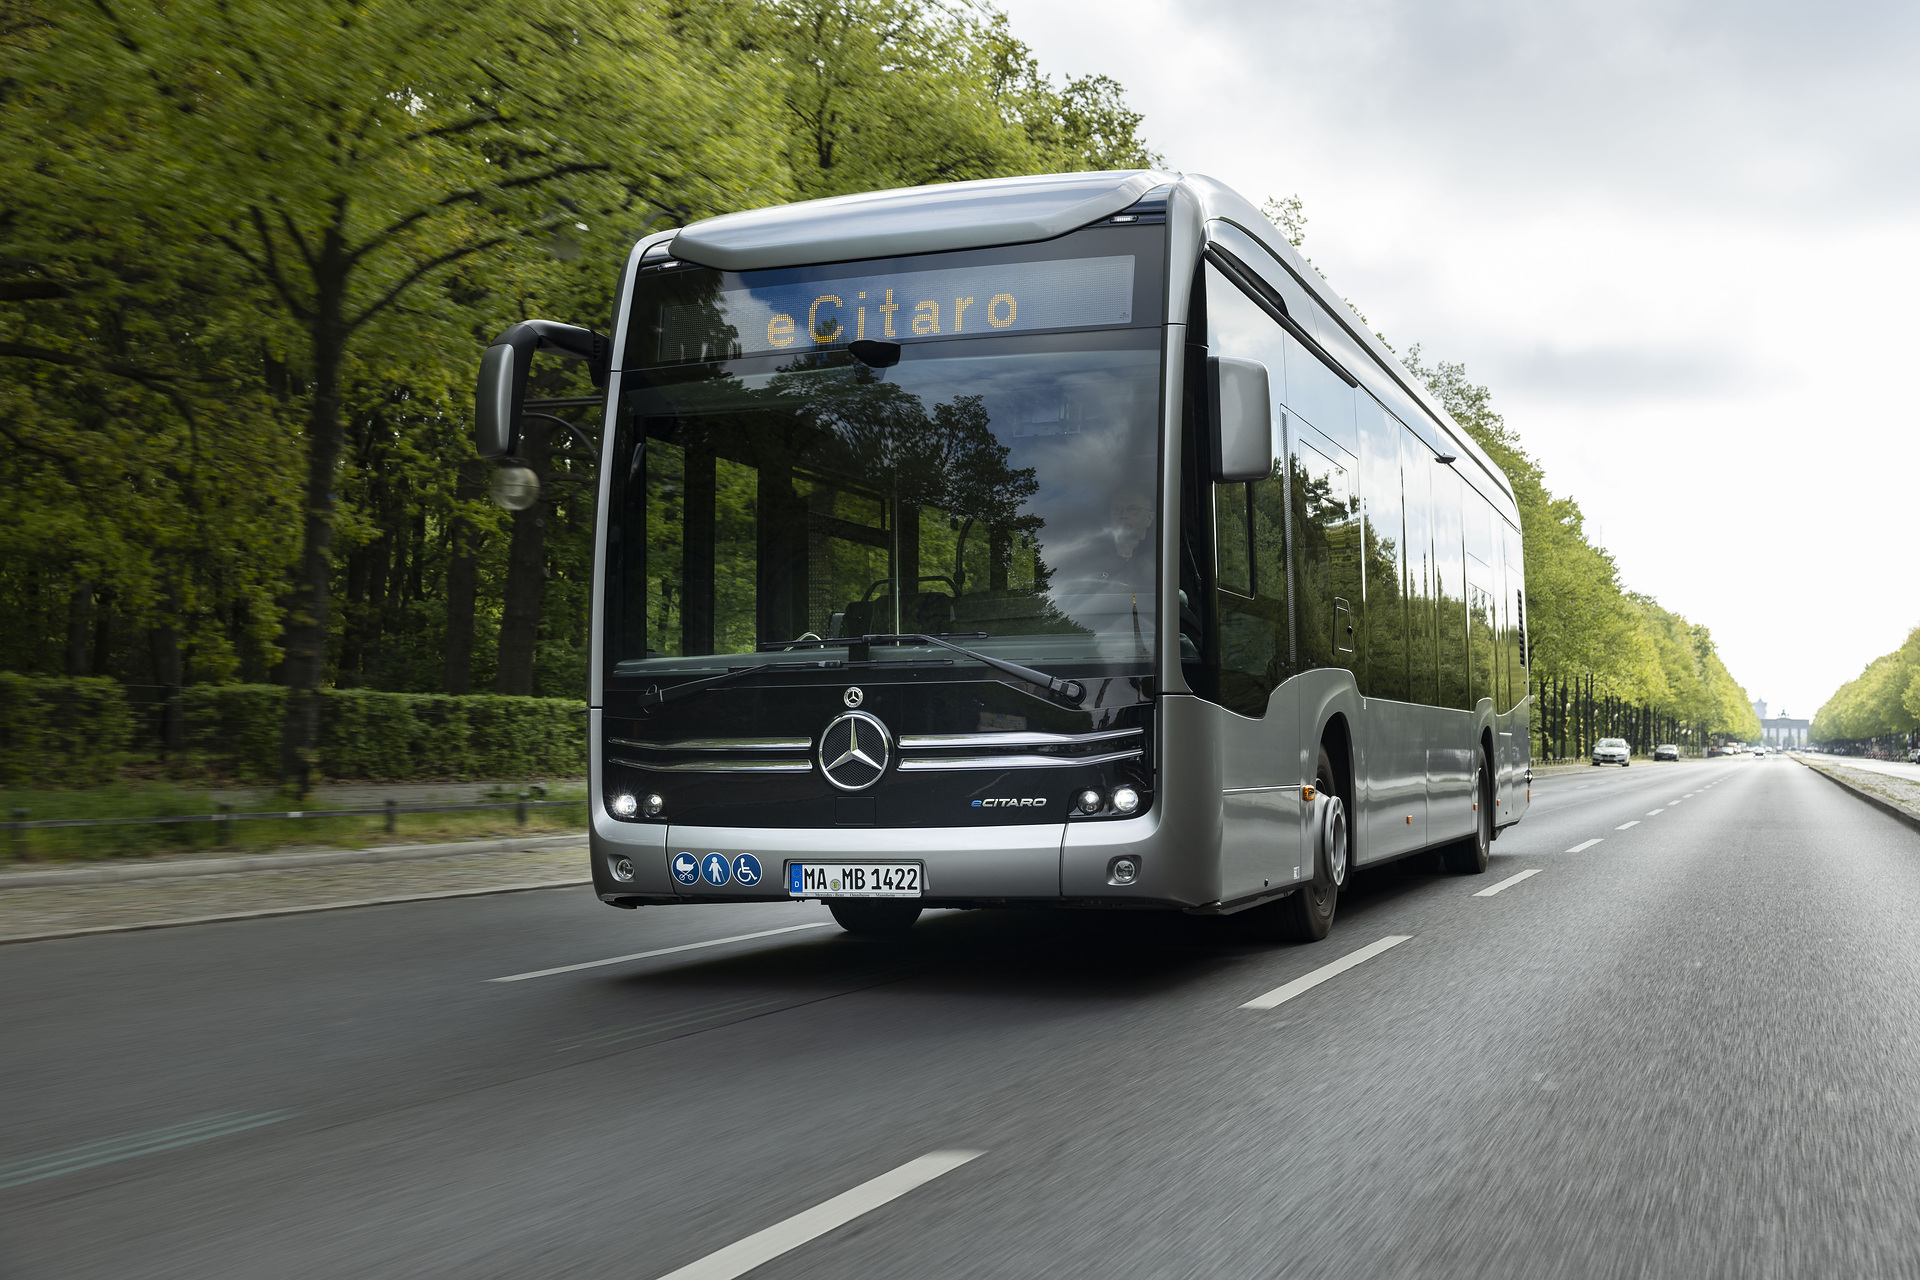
(854, 750)
(853, 697)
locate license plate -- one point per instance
(853, 879)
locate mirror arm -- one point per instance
(502, 391)
(586, 441)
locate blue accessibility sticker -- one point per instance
(746, 869)
(713, 869)
(685, 869)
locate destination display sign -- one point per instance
(784, 314)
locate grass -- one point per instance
(160, 799)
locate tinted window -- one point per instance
(1417, 468)
(1326, 551)
(1250, 560)
(1482, 594)
(1386, 614)
(1450, 595)
(1318, 394)
(1513, 646)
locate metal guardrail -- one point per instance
(391, 810)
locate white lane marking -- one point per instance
(1623, 826)
(1307, 982)
(663, 951)
(1583, 845)
(1655, 812)
(1508, 883)
(763, 1246)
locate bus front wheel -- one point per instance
(1306, 915)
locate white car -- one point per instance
(1611, 751)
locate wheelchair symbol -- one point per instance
(746, 869)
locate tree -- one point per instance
(348, 158)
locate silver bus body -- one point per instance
(1230, 823)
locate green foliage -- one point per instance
(235, 724)
(61, 732)
(1884, 699)
(369, 734)
(250, 253)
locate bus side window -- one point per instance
(1514, 644)
(1450, 594)
(1251, 644)
(1417, 468)
(1386, 633)
(1326, 552)
(1481, 595)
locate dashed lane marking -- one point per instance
(1623, 826)
(1508, 883)
(90, 1155)
(1308, 981)
(1583, 846)
(660, 951)
(1652, 813)
(782, 1237)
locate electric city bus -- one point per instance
(1057, 541)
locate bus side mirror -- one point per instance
(502, 391)
(1242, 419)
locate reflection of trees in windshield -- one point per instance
(828, 499)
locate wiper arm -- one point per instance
(656, 695)
(1071, 690)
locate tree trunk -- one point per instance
(164, 643)
(463, 579)
(80, 630)
(307, 622)
(526, 576)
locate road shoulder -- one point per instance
(1892, 795)
(212, 889)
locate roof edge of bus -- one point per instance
(913, 220)
(1218, 200)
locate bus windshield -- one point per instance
(998, 489)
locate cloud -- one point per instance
(1677, 238)
(1615, 375)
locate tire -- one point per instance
(874, 917)
(1306, 915)
(1469, 857)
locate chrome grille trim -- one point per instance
(718, 744)
(1011, 738)
(928, 764)
(717, 766)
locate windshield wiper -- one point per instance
(656, 695)
(1070, 690)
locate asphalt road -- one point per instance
(1686, 1050)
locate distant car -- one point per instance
(1666, 751)
(1913, 756)
(1611, 751)
(1759, 751)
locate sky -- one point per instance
(1680, 242)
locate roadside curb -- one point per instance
(305, 909)
(1885, 806)
(274, 861)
